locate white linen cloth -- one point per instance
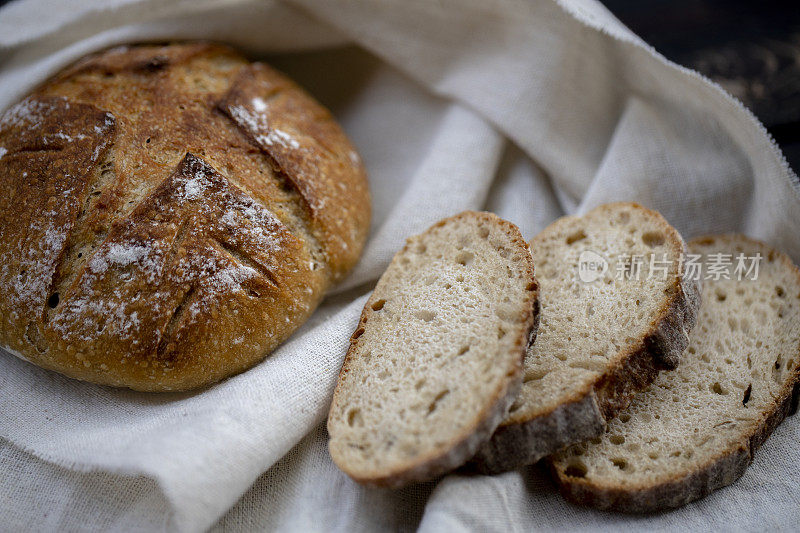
(531, 109)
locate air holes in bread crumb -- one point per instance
(377, 306)
(354, 418)
(576, 469)
(718, 389)
(747, 393)
(776, 371)
(358, 333)
(575, 237)
(425, 315)
(652, 239)
(721, 296)
(463, 350)
(483, 232)
(620, 463)
(357, 446)
(465, 258)
(624, 417)
(435, 403)
(534, 374)
(617, 439)
(779, 291)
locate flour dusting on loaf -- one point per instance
(154, 236)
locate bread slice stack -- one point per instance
(696, 428)
(628, 416)
(436, 359)
(605, 331)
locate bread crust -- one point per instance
(335, 197)
(679, 490)
(584, 414)
(464, 445)
(170, 214)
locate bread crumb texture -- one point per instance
(695, 428)
(588, 326)
(615, 310)
(436, 357)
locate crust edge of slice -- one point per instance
(714, 474)
(465, 444)
(584, 415)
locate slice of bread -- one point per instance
(696, 428)
(605, 332)
(436, 359)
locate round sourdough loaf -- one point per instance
(169, 215)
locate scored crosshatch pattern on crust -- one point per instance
(172, 213)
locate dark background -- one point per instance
(751, 48)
